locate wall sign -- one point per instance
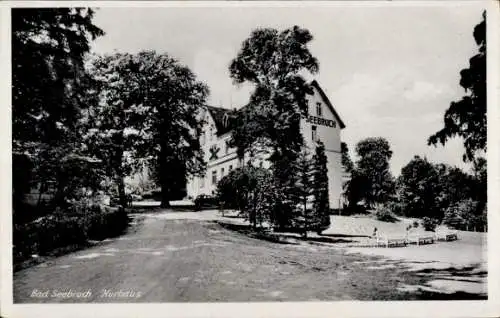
(214, 150)
(321, 121)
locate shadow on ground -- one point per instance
(283, 238)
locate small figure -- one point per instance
(374, 232)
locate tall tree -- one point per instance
(418, 189)
(480, 188)
(428, 190)
(48, 91)
(173, 98)
(48, 50)
(274, 62)
(115, 130)
(373, 168)
(466, 118)
(346, 159)
(321, 208)
(302, 194)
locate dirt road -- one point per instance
(169, 260)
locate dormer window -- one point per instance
(319, 110)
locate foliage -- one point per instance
(61, 228)
(243, 189)
(480, 181)
(418, 188)
(114, 123)
(384, 213)
(303, 216)
(465, 215)
(466, 118)
(347, 163)
(148, 115)
(371, 179)
(274, 62)
(321, 207)
(49, 93)
(429, 223)
(48, 49)
(173, 97)
(426, 189)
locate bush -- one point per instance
(429, 224)
(73, 226)
(416, 224)
(384, 214)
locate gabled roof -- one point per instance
(327, 102)
(218, 114)
(223, 125)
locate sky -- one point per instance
(389, 71)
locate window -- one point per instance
(230, 167)
(319, 110)
(314, 133)
(221, 172)
(202, 182)
(214, 176)
(227, 147)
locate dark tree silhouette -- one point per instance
(466, 118)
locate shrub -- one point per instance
(416, 224)
(246, 189)
(429, 224)
(384, 214)
(72, 226)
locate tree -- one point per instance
(49, 87)
(429, 190)
(480, 186)
(466, 118)
(454, 185)
(302, 194)
(168, 98)
(418, 189)
(48, 50)
(321, 208)
(115, 130)
(465, 215)
(245, 189)
(372, 169)
(346, 159)
(274, 62)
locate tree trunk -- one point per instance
(40, 192)
(121, 192)
(165, 194)
(254, 213)
(164, 180)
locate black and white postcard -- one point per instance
(253, 159)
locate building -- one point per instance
(323, 123)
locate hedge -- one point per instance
(75, 226)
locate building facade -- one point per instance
(322, 123)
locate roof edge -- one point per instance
(328, 103)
